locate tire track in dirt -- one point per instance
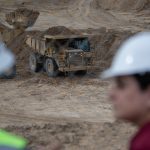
(21, 118)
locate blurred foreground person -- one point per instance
(6, 58)
(9, 141)
(7, 62)
(130, 94)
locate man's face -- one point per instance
(129, 101)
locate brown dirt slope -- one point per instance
(123, 5)
(83, 14)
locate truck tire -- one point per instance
(33, 63)
(81, 72)
(51, 67)
(11, 73)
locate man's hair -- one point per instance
(143, 80)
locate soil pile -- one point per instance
(106, 44)
(61, 30)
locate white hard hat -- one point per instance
(6, 58)
(133, 57)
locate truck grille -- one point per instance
(76, 59)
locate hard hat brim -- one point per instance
(111, 73)
(107, 74)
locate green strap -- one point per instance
(8, 139)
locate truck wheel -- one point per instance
(81, 72)
(51, 68)
(33, 63)
(9, 74)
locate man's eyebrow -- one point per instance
(118, 79)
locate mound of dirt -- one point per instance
(123, 5)
(106, 44)
(61, 30)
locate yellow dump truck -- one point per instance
(60, 53)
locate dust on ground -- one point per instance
(69, 112)
(72, 112)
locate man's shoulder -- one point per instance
(141, 141)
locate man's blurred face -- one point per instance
(129, 101)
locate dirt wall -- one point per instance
(122, 5)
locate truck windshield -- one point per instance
(80, 44)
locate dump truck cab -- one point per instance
(60, 54)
